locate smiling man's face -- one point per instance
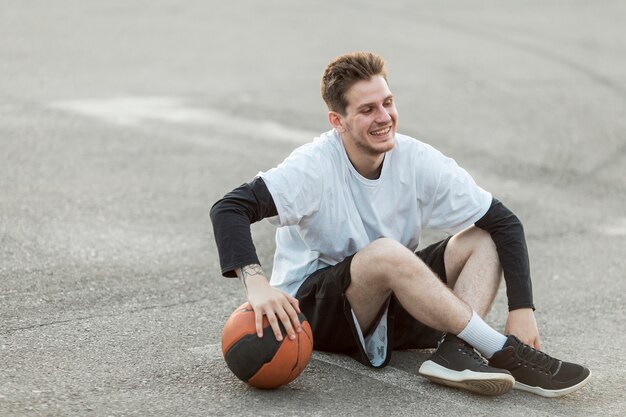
(370, 123)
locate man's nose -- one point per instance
(383, 115)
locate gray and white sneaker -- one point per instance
(456, 364)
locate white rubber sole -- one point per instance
(551, 393)
(479, 382)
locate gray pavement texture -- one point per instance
(122, 122)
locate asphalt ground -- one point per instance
(122, 122)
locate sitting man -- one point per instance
(350, 207)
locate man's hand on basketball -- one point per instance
(522, 324)
(271, 302)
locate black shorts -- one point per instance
(323, 302)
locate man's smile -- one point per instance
(380, 132)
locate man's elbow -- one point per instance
(216, 210)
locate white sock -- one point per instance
(480, 335)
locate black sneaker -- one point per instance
(456, 364)
(536, 372)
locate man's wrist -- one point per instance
(522, 312)
(251, 276)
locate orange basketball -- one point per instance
(264, 362)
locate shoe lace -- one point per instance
(534, 357)
(472, 353)
(466, 349)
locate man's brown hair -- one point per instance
(344, 71)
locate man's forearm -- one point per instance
(250, 272)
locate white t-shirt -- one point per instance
(328, 211)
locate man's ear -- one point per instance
(335, 121)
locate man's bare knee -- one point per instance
(373, 271)
(384, 260)
(470, 240)
(461, 246)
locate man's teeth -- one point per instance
(381, 132)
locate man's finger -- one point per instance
(293, 316)
(258, 322)
(286, 320)
(295, 303)
(271, 317)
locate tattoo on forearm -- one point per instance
(250, 271)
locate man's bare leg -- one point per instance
(474, 273)
(473, 269)
(385, 266)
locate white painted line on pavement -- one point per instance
(616, 228)
(214, 351)
(138, 111)
(388, 375)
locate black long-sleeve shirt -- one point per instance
(251, 202)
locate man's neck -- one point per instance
(372, 170)
(368, 165)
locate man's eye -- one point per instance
(366, 110)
